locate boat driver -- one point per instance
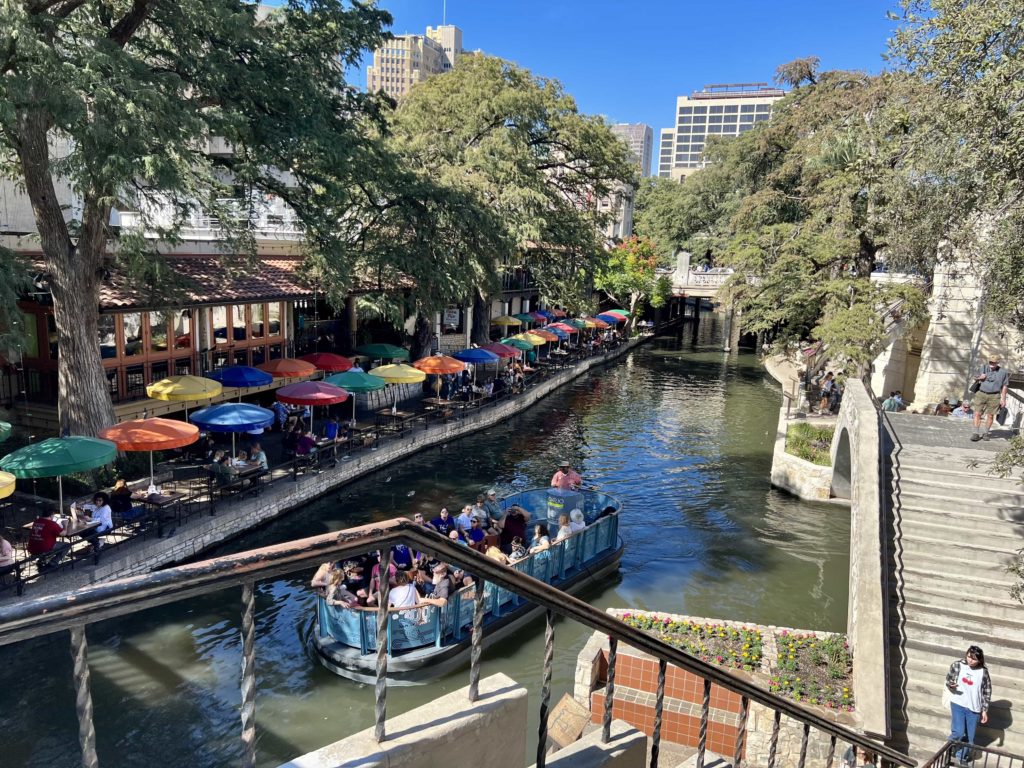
(566, 477)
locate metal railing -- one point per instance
(31, 619)
(982, 757)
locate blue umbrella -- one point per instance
(241, 376)
(611, 319)
(557, 331)
(547, 313)
(475, 356)
(232, 417)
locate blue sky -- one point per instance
(629, 59)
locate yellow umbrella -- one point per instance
(6, 484)
(531, 338)
(506, 320)
(399, 373)
(184, 388)
(590, 323)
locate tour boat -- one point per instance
(428, 641)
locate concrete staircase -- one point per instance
(953, 530)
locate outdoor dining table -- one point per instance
(159, 504)
(396, 420)
(73, 530)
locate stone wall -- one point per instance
(797, 476)
(238, 516)
(636, 689)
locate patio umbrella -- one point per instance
(328, 361)
(545, 334)
(531, 338)
(506, 320)
(59, 456)
(439, 365)
(356, 382)
(611, 318)
(621, 312)
(5, 430)
(184, 388)
(240, 376)
(525, 317)
(475, 355)
(7, 481)
(561, 333)
(558, 312)
(151, 435)
(595, 322)
(233, 418)
(383, 352)
(574, 322)
(399, 373)
(312, 393)
(540, 317)
(501, 350)
(287, 367)
(518, 343)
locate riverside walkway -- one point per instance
(286, 492)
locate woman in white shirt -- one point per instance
(564, 529)
(576, 520)
(100, 510)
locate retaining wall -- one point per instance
(800, 477)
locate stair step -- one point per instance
(980, 487)
(928, 520)
(957, 552)
(956, 639)
(946, 596)
(977, 583)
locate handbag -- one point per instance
(1001, 414)
(975, 386)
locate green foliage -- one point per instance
(815, 669)
(629, 275)
(810, 443)
(740, 648)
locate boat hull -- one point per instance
(424, 664)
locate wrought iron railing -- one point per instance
(31, 619)
(981, 757)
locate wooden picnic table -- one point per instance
(397, 420)
(159, 503)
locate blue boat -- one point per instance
(429, 641)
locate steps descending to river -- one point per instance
(953, 531)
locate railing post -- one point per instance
(83, 697)
(248, 677)
(609, 690)
(773, 745)
(659, 706)
(381, 684)
(741, 733)
(830, 759)
(545, 688)
(476, 641)
(702, 735)
(803, 746)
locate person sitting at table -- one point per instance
(121, 498)
(99, 509)
(223, 472)
(257, 457)
(241, 460)
(331, 429)
(6, 556)
(43, 536)
(306, 445)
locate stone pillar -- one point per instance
(727, 331)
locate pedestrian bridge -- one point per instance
(703, 285)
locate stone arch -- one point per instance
(842, 466)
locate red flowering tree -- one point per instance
(629, 276)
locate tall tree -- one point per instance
(120, 98)
(518, 145)
(629, 276)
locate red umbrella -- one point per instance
(287, 367)
(312, 393)
(566, 327)
(501, 350)
(538, 316)
(328, 361)
(558, 312)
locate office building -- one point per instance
(409, 59)
(640, 139)
(715, 110)
(666, 143)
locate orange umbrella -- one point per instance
(546, 335)
(328, 361)
(151, 435)
(597, 322)
(439, 364)
(566, 327)
(287, 367)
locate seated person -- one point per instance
(99, 509)
(517, 550)
(404, 595)
(322, 578)
(943, 408)
(331, 429)
(496, 554)
(564, 529)
(121, 498)
(223, 472)
(45, 531)
(576, 520)
(458, 538)
(6, 555)
(440, 582)
(476, 533)
(464, 521)
(402, 557)
(494, 510)
(258, 458)
(443, 523)
(241, 460)
(339, 594)
(541, 542)
(306, 445)
(963, 410)
(514, 525)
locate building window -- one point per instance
(761, 118)
(107, 336)
(182, 330)
(31, 348)
(256, 311)
(157, 332)
(764, 108)
(274, 319)
(717, 110)
(238, 331)
(132, 323)
(700, 110)
(731, 109)
(715, 119)
(746, 108)
(219, 320)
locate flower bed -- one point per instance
(810, 443)
(814, 669)
(739, 648)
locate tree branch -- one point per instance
(130, 22)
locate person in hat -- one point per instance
(992, 381)
(566, 477)
(494, 511)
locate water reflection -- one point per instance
(679, 431)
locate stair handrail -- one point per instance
(31, 618)
(943, 758)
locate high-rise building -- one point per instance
(666, 141)
(409, 59)
(715, 110)
(640, 139)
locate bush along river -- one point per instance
(681, 432)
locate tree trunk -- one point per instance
(422, 334)
(481, 319)
(83, 399)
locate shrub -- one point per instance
(810, 443)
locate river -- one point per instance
(679, 431)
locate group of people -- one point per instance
(226, 468)
(829, 393)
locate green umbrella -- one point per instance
(621, 312)
(574, 322)
(59, 456)
(356, 382)
(5, 431)
(383, 352)
(525, 346)
(525, 318)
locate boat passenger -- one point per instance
(465, 520)
(576, 520)
(456, 536)
(443, 523)
(514, 525)
(338, 593)
(493, 509)
(496, 554)
(402, 557)
(541, 542)
(322, 578)
(403, 594)
(441, 583)
(566, 478)
(476, 533)
(564, 529)
(518, 550)
(606, 512)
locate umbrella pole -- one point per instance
(151, 483)
(60, 493)
(233, 454)
(353, 407)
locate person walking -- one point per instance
(992, 383)
(970, 689)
